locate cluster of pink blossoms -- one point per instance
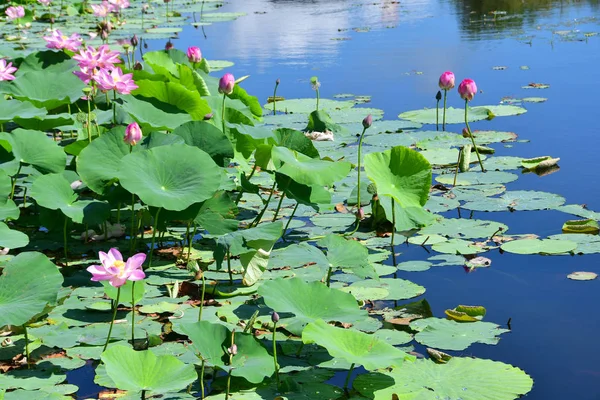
(105, 8)
(6, 71)
(98, 65)
(59, 41)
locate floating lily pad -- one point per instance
(537, 246)
(582, 276)
(414, 266)
(459, 247)
(450, 335)
(518, 200)
(478, 178)
(398, 289)
(306, 106)
(586, 243)
(463, 228)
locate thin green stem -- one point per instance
(393, 223)
(202, 298)
(154, 225)
(358, 205)
(347, 381)
(26, 346)
(275, 354)
(143, 396)
(444, 118)
(241, 192)
(437, 115)
(112, 321)
(329, 273)
(229, 268)
(187, 237)
(275, 98)
(278, 206)
(118, 212)
(290, 219)
(133, 314)
(202, 380)
(89, 120)
(190, 240)
(132, 234)
(471, 135)
(317, 90)
(462, 149)
(223, 113)
(259, 216)
(230, 362)
(66, 250)
(14, 182)
(114, 107)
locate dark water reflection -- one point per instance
(395, 51)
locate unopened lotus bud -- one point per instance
(278, 81)
(169, 45)
(275, 317)
(233, 349)
(104, 35)
(360, 214)
(447, 80)
(133, 134)
(467, 89)
(135, 41)
(208, 117)
(438, 95)
(368, 121)
(194, 54)
(465, 133)
(138, 66)
(226, 84)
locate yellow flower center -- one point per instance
(120, 265)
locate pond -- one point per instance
(537, 60)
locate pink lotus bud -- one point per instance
(226, 84)
(194, 54)
(138, 66)
(275, 317)
(465, 133)
(169, 45)
(134, 41)
(447, 81)
(232, 350)
(133, 134)
(360, 214)
(467, 89)
(208, 117)
(368, 121)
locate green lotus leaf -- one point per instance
(208, 138)
(11, 109)
(308, 171)
(152, 114)
(414, 266)
(209, 341)
(398, 289)
(459, 247)
(309, 302)
(49, 89)
(348, 255)
(463, 228)
(403, 175)
(30, 380)
(11, 238)
(28, 284)
(459, 378)
(451, 335)
(354, 346)
(539, 246)
(172, 177)
(580, 211)
(33, 148)
(142, 370)
(306, 106)
(8, 209)
(478, 178)
(457, 115)
(517, 200)
(586, 243)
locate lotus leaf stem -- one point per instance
(444, 117)
(89, 119)
(223, 114)
(275, 98)
(329, 272)
(26, 345)
(317, 90)
(114, 107)
(471, 135)
(202, 300)
(262, 212)
(241, 192)
(229, 268)
(457, 165)
(154, 226)
(112, 321)
(275, 354)
(133, 233)
(347, 381)
(437, 115)
(118, 212)
(143, 396)
(190, 240)
(14, 182)
(65, 241)
(202, 380)
(278, 207)
(362, 135)
(230, 362)
(393, 223)
(287, 225)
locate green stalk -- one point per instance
(457, 165)
(275, 354)
(14, 182)
(114, 107)
(290, 219)
(362, 135)
(275, 98)
(153, 236)
(259, 216)
(89, 120)
(202, 380)
(393, 223)
(65, 241)
(202, 301)
(348, 378)
(317, 89)
(241, 192)
(132, 314)
(143, 396)
(26, 346)
(329, 272)
(281, 199)
(223, 113)
(230, 362)
(191, 239)
(444, 120)
(133, 233)
(437, 115)
(118, 212)
(229, 268)
(471, 135)
(112, 322)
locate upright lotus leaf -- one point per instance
(403, 175)
(309, 302)
(172, 94)
(250, 101)
(47, 60)
(152, 114)
(49, 89)
(45, 123)
(8, 209)
(11, 238)
(459, 378)
(11, 109)
(349, 255)
(354, 346)
(172, 177)
(308, 171)
(252, 361)
(192, 80)
(143, 370)
(209, 341)
(217, 214)
(54, 191)
(297, 141)
(308, 195)
(29, 282)
(33, 148)
(321, 121)
(451, 335)
(207, 137)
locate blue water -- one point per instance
(555, 321)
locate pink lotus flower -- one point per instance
(467, 89)
(194, 54)
(102, 10)
(15, 12)
(119, 4)
(101, 58)
(368, 121)
(60, 41)
(115, 270)
(115, 80)
(6, 71)
(133, 134)
(226, 84)
(86, 74)
(45, 2)
(447, 80)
